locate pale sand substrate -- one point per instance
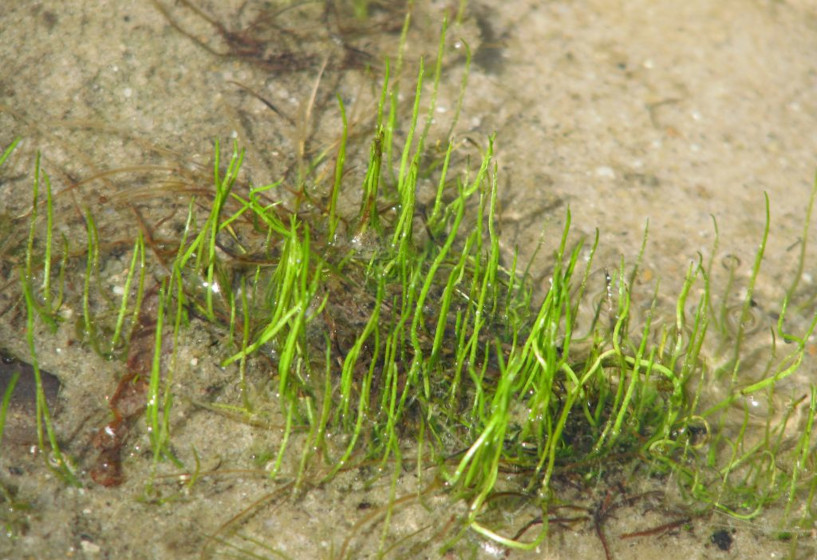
(676, 112)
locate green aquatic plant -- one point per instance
(398, 324)
(480, 381)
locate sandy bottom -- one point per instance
(674, 114)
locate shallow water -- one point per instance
(671, 112)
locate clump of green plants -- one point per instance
(398, 323)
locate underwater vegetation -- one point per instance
(380, 324)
